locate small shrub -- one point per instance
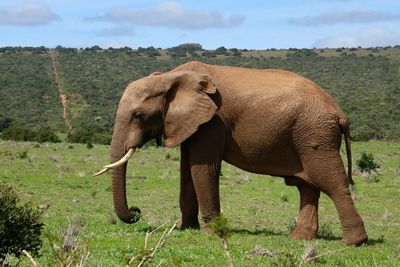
(374, 178)
(71, 235)
(284, 198)
(20, 225)
(170, 157)
(220, 226)
(367, 163)
(89, 145)
(67, 246)
(286, 258)
(23, 154)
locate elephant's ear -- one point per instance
(187, 105)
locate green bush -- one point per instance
(84, 136)
(45, 135)
(79, 135)
(367, 163)
(4, 123)
(89, 145)
(20, 225)
(23, 134)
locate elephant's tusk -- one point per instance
(101, 172)
(123, 160)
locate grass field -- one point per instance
(260, 210)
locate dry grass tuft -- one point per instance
(310, 254)
(260, 251)
(71, 235)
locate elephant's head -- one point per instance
(173, 104)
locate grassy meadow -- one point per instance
(260, 210)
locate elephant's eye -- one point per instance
(139, 115)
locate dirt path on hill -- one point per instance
(60, 85)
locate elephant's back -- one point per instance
(245, 88)
(245, 81)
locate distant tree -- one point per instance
(187, 47)
(221, 50)
(235, 52)
(303, 53)
(4, 123)
(59, 48)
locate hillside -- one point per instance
(80, 88)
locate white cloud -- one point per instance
(172, 15)
(113, 43)
(28, 13)
(367, 37)
(116, 31)
(342, 16)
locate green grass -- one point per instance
(259, 209)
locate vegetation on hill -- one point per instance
(365, 82)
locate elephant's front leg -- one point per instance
(188, 198)
(206, 183)
(205, 149)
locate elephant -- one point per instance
(270, 121)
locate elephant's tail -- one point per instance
(345, 127)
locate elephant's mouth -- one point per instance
(118, 163)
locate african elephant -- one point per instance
(263, 121)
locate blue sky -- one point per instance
(258, 24)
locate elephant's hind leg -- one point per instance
(307, 221)
(328, 174)
(352, 224)
(188, 198)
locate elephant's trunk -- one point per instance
(127, 215)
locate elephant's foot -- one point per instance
(209, 230)
(354, 236)
(304, 233)
(188, 224)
